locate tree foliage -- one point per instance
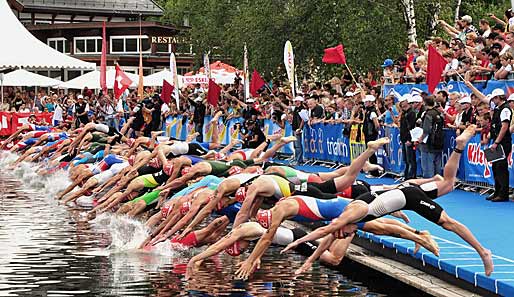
(370, 30)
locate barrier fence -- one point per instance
(485, 87)
(326, 142)
(322, 142)
(11, 121)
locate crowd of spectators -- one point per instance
(473, 54)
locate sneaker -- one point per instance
(499, 199)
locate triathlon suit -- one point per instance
(245, 153)
(298, 176)
(98, 137)
(57, 136)
(358, 188)
(103, 177)
(180, 148)
(33, 127)
(156, 179)
(221, 168)
(209, 181)
(27, 143)
(194, 159)
(106, 163)
(405, 196)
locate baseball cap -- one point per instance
(465, 99)
(298, 98)
(369, 98)
(511, 97)
(349, 94)
(415, 99)
(468, 19)
(250, 100)
(406, 97)
(80, 97)
(497, 92)
(387, 63)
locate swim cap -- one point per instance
(185, 170)
(186, 206)
(154, 162)
(240, 194)
(130, 142)
(264, 218)
(168, 168)
(131, 160)
(259, 170)
(235, 170)
(165, 211)
(234, 249)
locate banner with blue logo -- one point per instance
(326, 142)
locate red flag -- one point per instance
(334, 55)
(121, 82)
(214, 93)
(103, 62)
(256, 83)
(167, 89)
(435, 68)
(410, 64)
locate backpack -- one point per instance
(436, 138)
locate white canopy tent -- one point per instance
(155, 80)
(92, 80)
(24, 78)
(21, 49)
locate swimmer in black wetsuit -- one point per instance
(410, 197)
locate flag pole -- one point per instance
(349, 70)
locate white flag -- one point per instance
(289, 63)
(174, 79)
(246, 76)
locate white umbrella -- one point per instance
(22, 49)
(155, 80)
(92, 80)
(24, 78)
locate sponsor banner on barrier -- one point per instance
(326, 142)
(485, 87)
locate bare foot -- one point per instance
(273, 137)
(464, 137)
(430, 244)
(487, 258)
(372, 167)
(156, 133)
(375, 145)
(287, 139)
(437, 177)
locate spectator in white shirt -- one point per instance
(57, 116)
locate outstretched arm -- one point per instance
(253, 262)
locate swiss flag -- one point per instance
(256, 83)
(121, 82)
(334, 55)
(167, 89)
(435, 68)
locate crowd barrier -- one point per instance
(180, 127)
(327, 143)
(11, 121)
(485, 87)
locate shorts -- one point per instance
(196, 149)
(148, 181)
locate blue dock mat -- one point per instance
(491, 223)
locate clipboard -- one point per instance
(493, 155)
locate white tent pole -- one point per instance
(2, 87)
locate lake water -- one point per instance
(51, 250)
